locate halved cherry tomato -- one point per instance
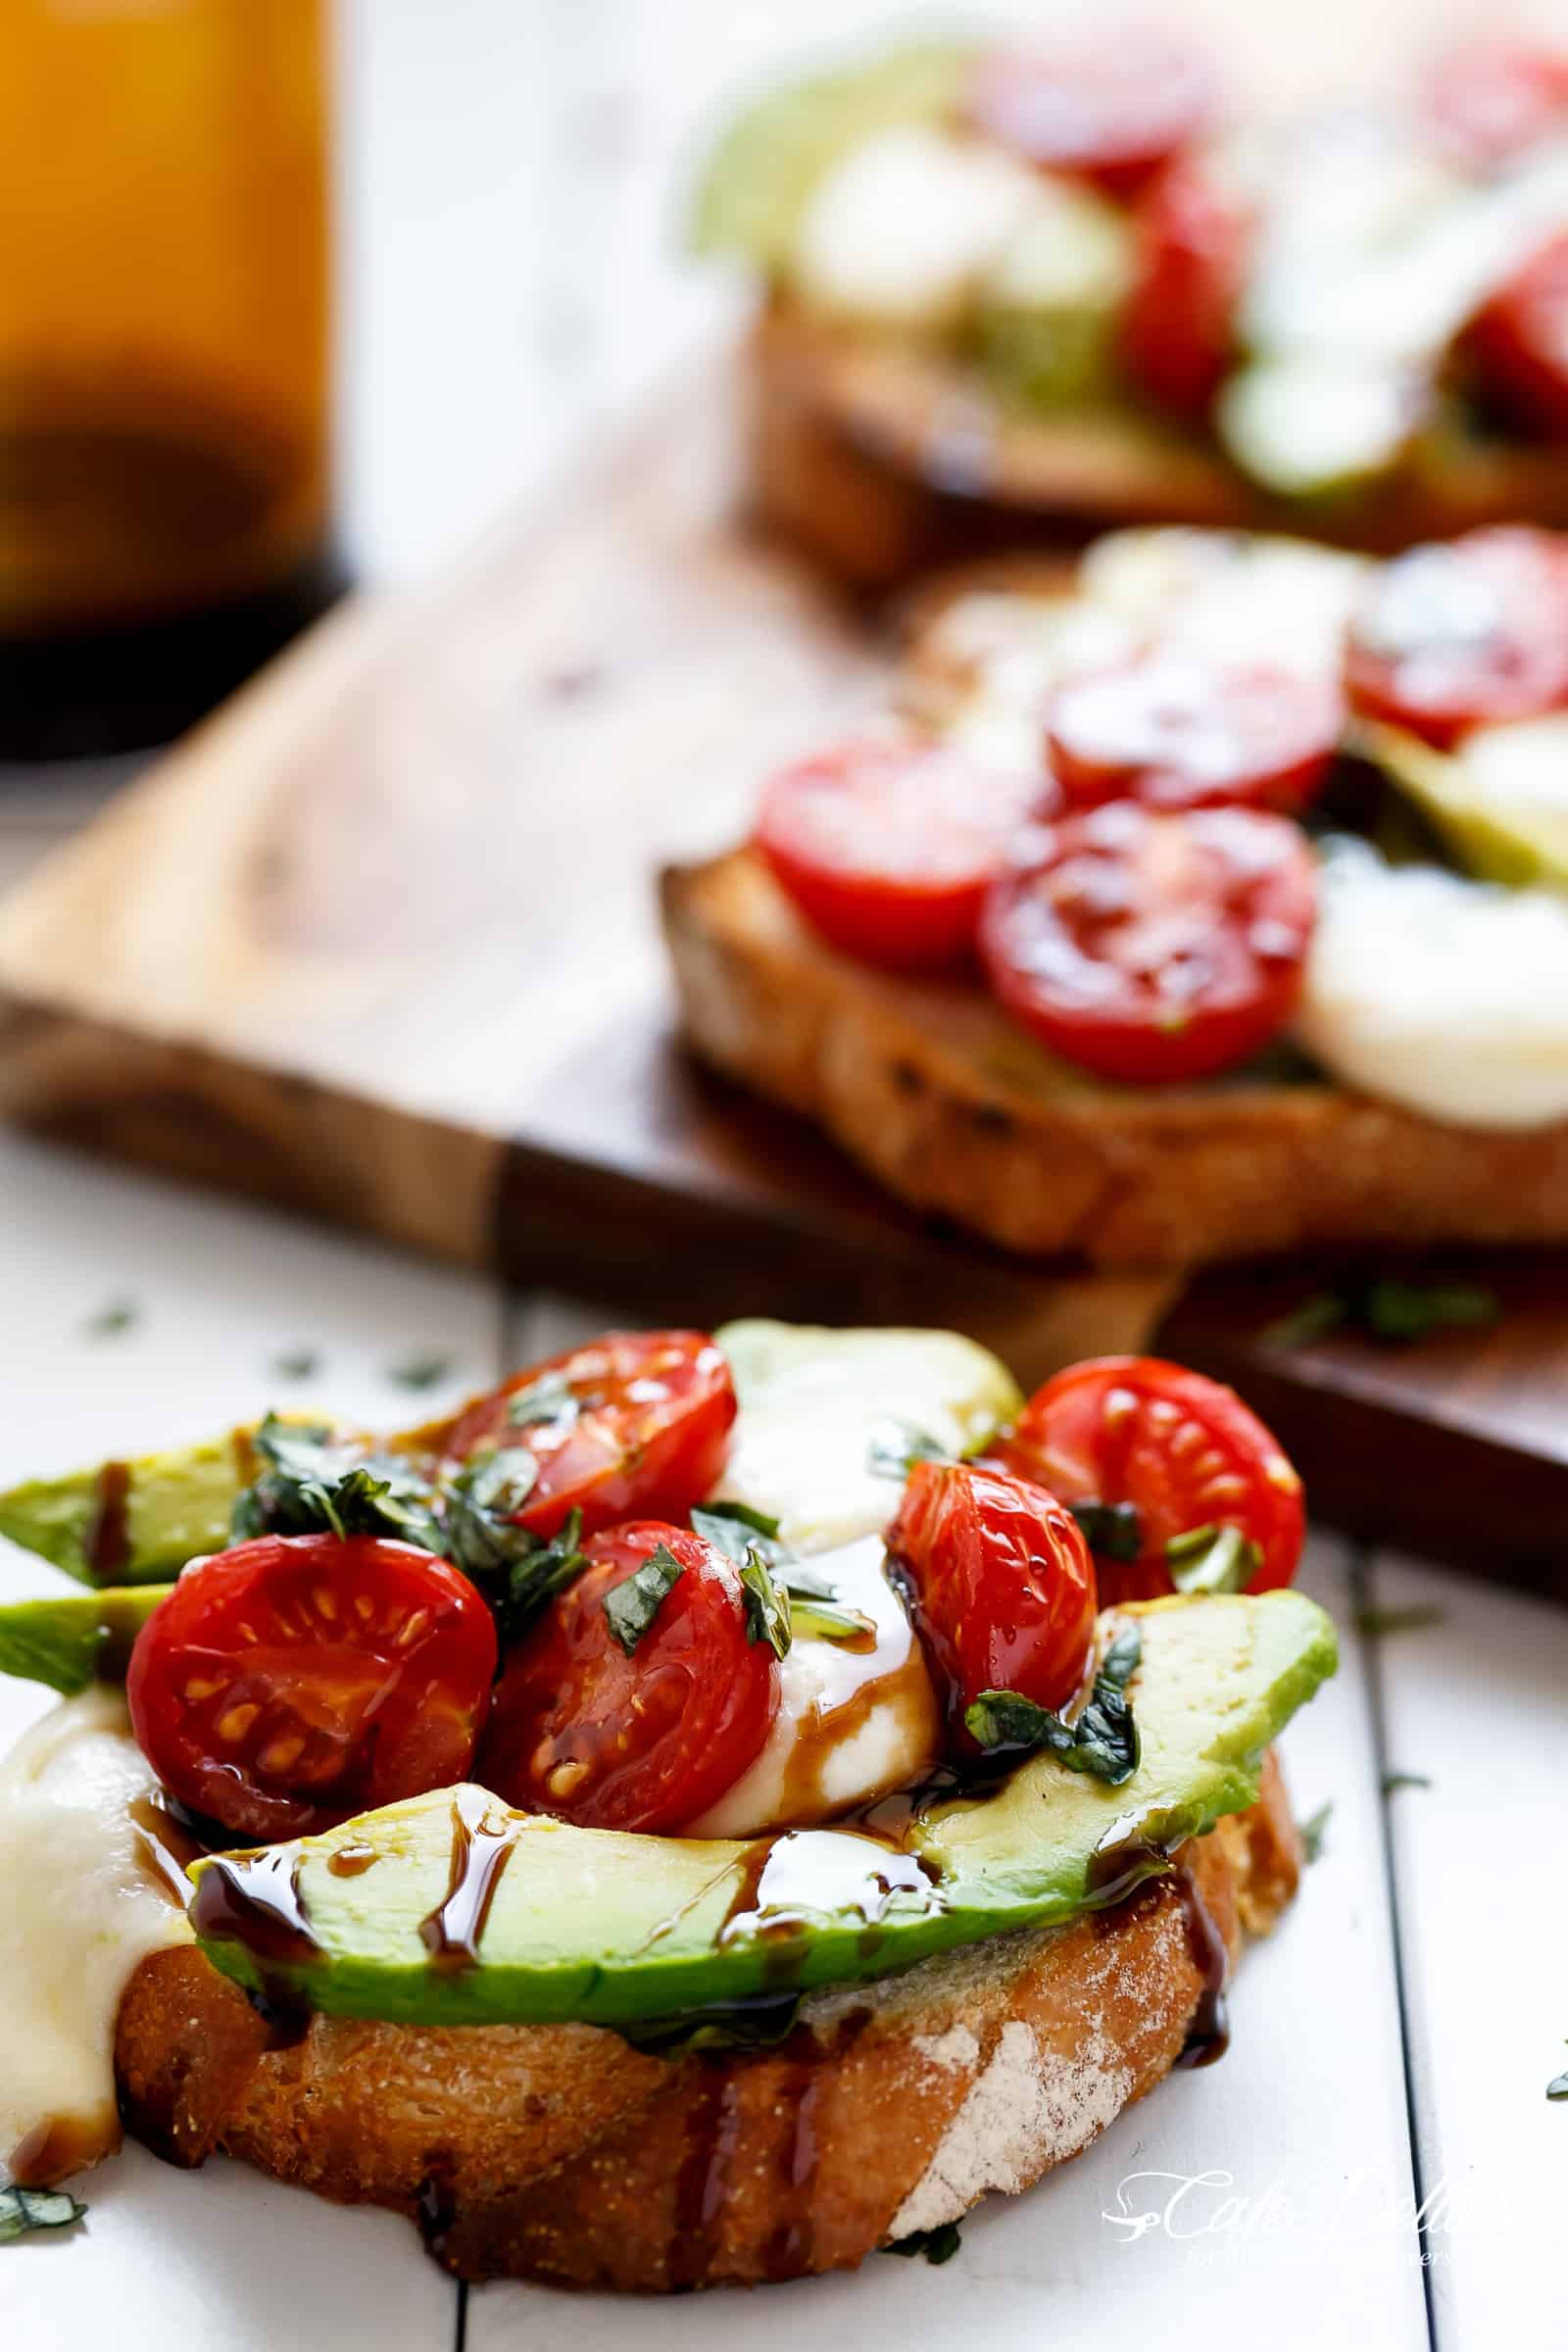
(1178, 731)
(1450, 636)
(888, 847)
(295, 1680)
(1519, 343)
(1185, 1451)
(643, 1742)
(1178, 327)
(1003, 1586)
(1153, 947)
(1491, 97)
(1113, 102)
(644, 1428)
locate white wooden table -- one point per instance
(1375, 2164)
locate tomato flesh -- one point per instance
(1491, 98)
(1177, 730)
(888, 849)
(295, 1680)
(1111, 103)
(1453, 635)
(1153, 947)
(1002, 1583)
(1185, 1451)
(645, 1432)
(1178, 326)
(645, 1742)
(1519, 343)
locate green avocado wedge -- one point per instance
(763, 170)
(164, 1508)
(449, 1910)
(1498, 799)
(73, 1638)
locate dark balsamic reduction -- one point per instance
(703, 2182)
(1208, 2036)
(484, 1837)
(435, 2202)
(109, 1537)
(255, 1899)
(165, 1846)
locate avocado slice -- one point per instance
(1498, 797)
(449, 1909)
(1050, 306)
(762, 175)
(132, 1522)
(73, 1638)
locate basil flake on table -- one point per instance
(1372, 1624)
(1212, 1559)
(1557, 2087)
(937, 2245)
(1396, 1312)
(1314, 1832)
(1112, 1528)
(632, 1606)
(422, 1371)
(24, 2210)
(1103, 1738)
(116, 1315)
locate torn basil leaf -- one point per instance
(518, 1572)
(547, 1399)
(1104, 1739)
(1112, 1528)
(1399, 1312)
(631, 1607)
(315, 1478)
(898, 1445)
(815, 1609)
(23, 2210)
(1212, 1559)
(937, 2245)
(734, 1528)
(1314, 1832)
(1373, 1624)
(767, 1603)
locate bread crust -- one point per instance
(931, 1087)
(561, 2153)
(881, 460)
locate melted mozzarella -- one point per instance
(81, 1910)
(853, 1722)
(1448, 995)
(902, 231)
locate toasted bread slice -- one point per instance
(881, 459)
(560, 2152)
(932, 1087)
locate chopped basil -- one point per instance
(1375, 1623)
(111, 1319)
(898, 1445)
(518, 1572)
(1112, 1528)
(1399, 1312)
(814, 1608)
(421, 1371)
(1212, 1559)
(547, 1399)
(937, 2245)
(1102, 1740)
(631, 1607)
(296, 1363)
(767, 1605)
(751, 1540)
(1393, 1781)
(316, 1479)
(1314, 1832)
(26, 2209)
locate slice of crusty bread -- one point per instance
(945, 1100)
(881, 460)
(558, 2152)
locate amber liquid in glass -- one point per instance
(165, 431)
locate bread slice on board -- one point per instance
(561, 2153)
(944, 1100)
(881, 460)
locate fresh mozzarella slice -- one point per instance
(852, 1722)
(80, 1908)
(1241, 598)
(902, 231)
(1446, 996)
(1309, 423)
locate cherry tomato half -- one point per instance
(1153, 947)
(641, 1742)
(1178, 731)
(1519, 343)
(295, 1680)
(1491, 97)
(1183, 1450)
(1178, 326)
(888, 849)
(1113, 102)
(1450, 636)
(1003, 1586)
(644, 1426)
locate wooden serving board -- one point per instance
(377, 943)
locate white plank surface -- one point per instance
(1477, 1703)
